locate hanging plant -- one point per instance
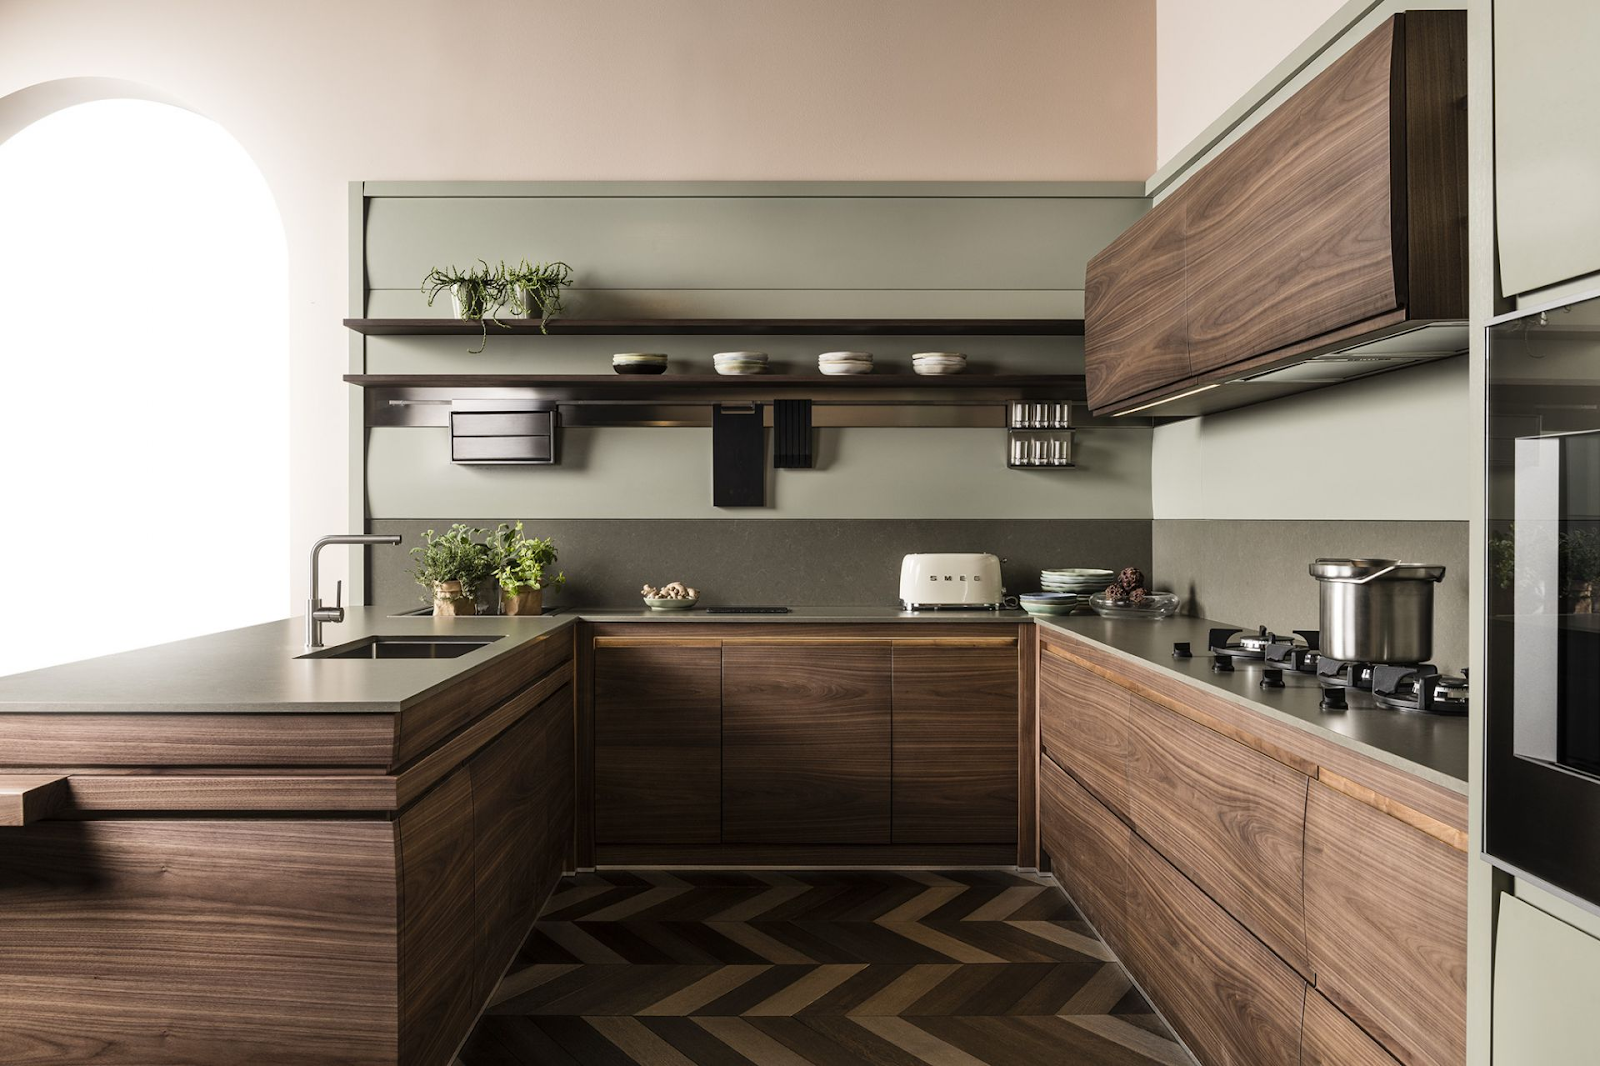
(535, 289)
(478, 293)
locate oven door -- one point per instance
(1542, 757)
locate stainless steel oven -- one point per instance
(1542, 754)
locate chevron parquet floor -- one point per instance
(830, 968)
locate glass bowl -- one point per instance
(1154, 605)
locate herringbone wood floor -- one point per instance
(837, 968)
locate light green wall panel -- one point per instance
(1546, 988)
(911, 242)
(1546, 144)
(628, 472)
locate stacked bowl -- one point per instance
(1048, 602)
(740, 362)
(939, 362)
(1077, 580)
(639, 363)
(845, 362)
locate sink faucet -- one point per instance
(316, 614)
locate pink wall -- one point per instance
(1209, 53)
(324, 92)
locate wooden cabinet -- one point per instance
(954, 744)
(658, 742)
(1328, 1038)
(1340, 213)
(1083, 725)
(1230, 818)
(1386, 926)
(1135, 320)
(1088, 849)
(806, 748)
(1232, 1000)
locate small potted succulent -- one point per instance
(451, 565)
(477, 293)
(519, 567)
(534, 289)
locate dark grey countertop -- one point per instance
(1430, 746)
(813, 615)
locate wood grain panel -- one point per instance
(1328, 1038)
(954, 745)
(275, 740)
(438, 931)
(875, 856)
(1135, 318)
(1028, 748)
(1289, 229)
(806, 755)
(1231, 999)
(198, 942)
(509, 835)
(1436, 163)
(557, 796)
(1298, 749)
(99, 791)
(1386, 925)
(28, 798)
(1088, 849)
(658, 744)
(1083, 725)
(1230, 818)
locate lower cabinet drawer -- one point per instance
(1083, 724)
(1231, 999)
(1229, 817)
(1386, 927)
(1331, 1039)
(1088, 848)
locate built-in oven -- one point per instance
(1542, 750)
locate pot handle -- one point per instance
(1377, 574)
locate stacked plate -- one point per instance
(939, 362)
(1048, 602)
(1076, 580)
(639, 363)
(845, 362)
(740, 362)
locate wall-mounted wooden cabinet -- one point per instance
(1340, 215)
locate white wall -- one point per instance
(324, 93)
(1209, 53)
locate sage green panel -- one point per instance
(1546, 988)
(1546, 145)
(585, 302)
(884, 189)
(754, 242)
(627, 472)
(592, 355)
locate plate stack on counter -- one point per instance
(939, 363)
(845, 362)
(737, 363)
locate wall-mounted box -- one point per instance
(503, 431)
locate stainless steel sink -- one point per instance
(419, 647)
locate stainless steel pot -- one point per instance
(1376, 610)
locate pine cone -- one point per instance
(1131, 578)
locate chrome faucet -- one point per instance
(316, 614)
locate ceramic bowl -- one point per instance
(639, 368)
(1033, 607)
(661, 603)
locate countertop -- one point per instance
(1430, 746)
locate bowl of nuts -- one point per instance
(1127, 597)
(674, 596)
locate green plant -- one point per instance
(519, 561)
(481, 292)
(537, 287)
(1577, 557)
(457, 554)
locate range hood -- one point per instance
(1391, 348)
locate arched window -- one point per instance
(144, 380)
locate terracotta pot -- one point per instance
(449, 601)
(528, 601)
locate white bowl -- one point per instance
(720, 357)
(836, 357)
(837, 369)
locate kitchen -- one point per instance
(847, 564)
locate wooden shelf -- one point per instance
(1067, 386)
(796, 327)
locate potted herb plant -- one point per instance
(452, 565)
(519, 567)
(477, 293)
(535, 289)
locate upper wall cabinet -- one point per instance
(1337, 219)
(1546, 157)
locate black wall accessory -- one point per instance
(738, 456)
(791, 434)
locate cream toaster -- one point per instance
(950, 579)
